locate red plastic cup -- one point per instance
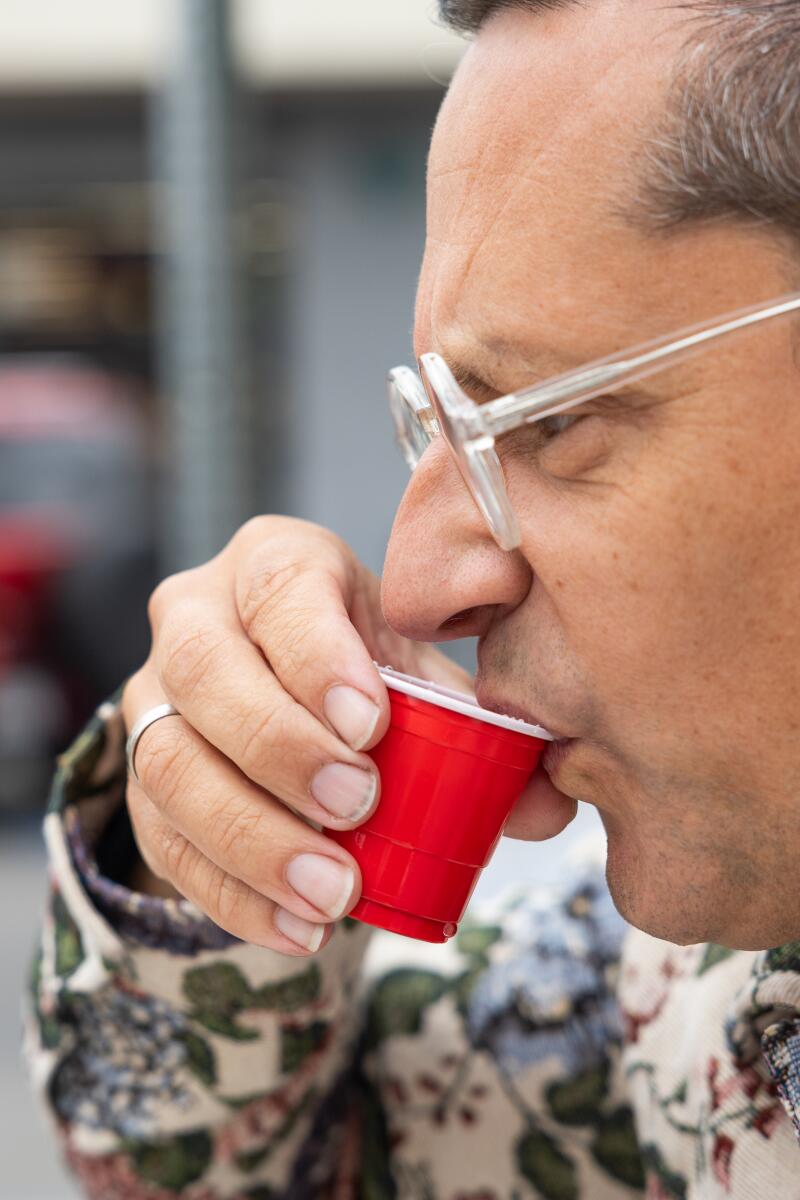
(451, 772)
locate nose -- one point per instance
(445, 577)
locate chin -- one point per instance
(647, 891)
(686, 901)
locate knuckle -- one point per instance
(172, 859)
(265, 590)
(295, 641)
(189, 645)
(234, 825)
(149, 852)
(226, 898)
(263, 741)
(149, 832)
(142, 822)
(167, 593)
(163, 759)
(132, 685)
(258, 527)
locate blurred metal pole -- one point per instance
(206, 402)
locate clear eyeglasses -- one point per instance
(432, 403)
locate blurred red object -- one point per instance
(63, 399)
(33, 551)
(76, 553)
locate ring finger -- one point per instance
(239, 827)
(239, 909)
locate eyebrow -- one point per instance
(467, 367)
(474, 385)
(483, 392)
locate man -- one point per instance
(601, 175)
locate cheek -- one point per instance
(649, 579)
(664, 602)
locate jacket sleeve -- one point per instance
(174, 1060)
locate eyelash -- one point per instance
(558, 423)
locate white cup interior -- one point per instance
(460, 702)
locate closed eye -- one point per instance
(551, 427)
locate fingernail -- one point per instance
(303, 933)
(351, 714)
(344, 790)
(325, 883)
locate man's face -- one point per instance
(651, 612)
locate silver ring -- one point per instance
(145, 721)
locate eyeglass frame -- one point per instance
(440, 406)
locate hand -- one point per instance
(266, 651)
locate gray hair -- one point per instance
(729, 144)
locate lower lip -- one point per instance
(555, 754)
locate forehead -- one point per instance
(534, 159)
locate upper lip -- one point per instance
(487, 699)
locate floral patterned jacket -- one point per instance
(521, 1060)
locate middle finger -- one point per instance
(220, 682)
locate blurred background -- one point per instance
(211, 221)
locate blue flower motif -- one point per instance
(550, 993)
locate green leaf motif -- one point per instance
(615, 1148)
(672, 1183)
(69, 943)
(543, 1164)
(174, 1163)
(287, 995)
(237, 1102)
(49, 1028)
(220, 987)
(399, 1000)
(577, 1101)
(376, 1179)
(784, 958)
(200, 1059)
(78, 764)
(713, 954)
(85, 750)
(475, 940)
(224, 1025)
(249, 1161)
(462, 986)
(35, 975)
(297, 1044)
(218, 993)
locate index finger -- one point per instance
(293, 596)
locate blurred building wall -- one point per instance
(338, 103)
(358, 173)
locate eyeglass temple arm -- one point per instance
(573, 388)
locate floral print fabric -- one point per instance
(176, 1061)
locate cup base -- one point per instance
(407, 924)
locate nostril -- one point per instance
(458, 618)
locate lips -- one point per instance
(509, 708)
(555, 755)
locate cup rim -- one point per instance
(460, 702)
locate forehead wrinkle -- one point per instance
(511, 134)
(502, 114)
(444, 284)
